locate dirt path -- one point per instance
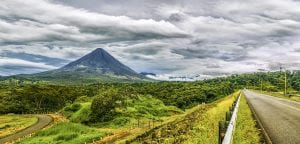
(43, 121)
(113, 138)
(279, 117)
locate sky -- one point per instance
(204, 38)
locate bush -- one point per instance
(83, 99)
(73, 108)
(121, 121)
(103, 106)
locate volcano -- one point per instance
(97, 66)
(99, 61)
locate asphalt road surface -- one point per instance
(279, 117)
(43, 121)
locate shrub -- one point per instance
(103, 106)
(83, 99)
(73, 108)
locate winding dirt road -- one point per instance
(279, 117)
(43, 121)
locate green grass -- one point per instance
(197, 125)
(80, 114)
(245, 130)
(206, 128)
(65, 133)
(148, 107)
(12, 123)
(142, 109)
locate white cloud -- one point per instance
(45, 21)
(210, 38)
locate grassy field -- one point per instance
(10, 123)
(245, 130)
(206, 127)
(65, 133)
(142, 109)
(280, 95)
(139, 114)
(197, 125)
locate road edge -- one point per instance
(262, 129)
(16, 139)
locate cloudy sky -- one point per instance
(171, 37)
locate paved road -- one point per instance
(279, 117)
(43, 121)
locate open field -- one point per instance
(245, 130)
(10, 123)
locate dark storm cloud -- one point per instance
(34, 58)
(210, 53)
(12, 70)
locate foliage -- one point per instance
(130, 110)
(38, 98)
(80, 115)
(103, 105)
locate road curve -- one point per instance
(43, 121)
(279, 117)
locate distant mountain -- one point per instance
(97, 66)
(99, 61)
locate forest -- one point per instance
(40, 97)
(94, 111)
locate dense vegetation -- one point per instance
(43, 97)
(37, 97)
(268, 81)
(123, 105)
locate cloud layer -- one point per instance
(210, 38)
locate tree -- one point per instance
(104, 104)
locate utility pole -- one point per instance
(261, 86)
(285, 83)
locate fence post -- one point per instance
(221, 131)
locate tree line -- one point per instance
(39, 97)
